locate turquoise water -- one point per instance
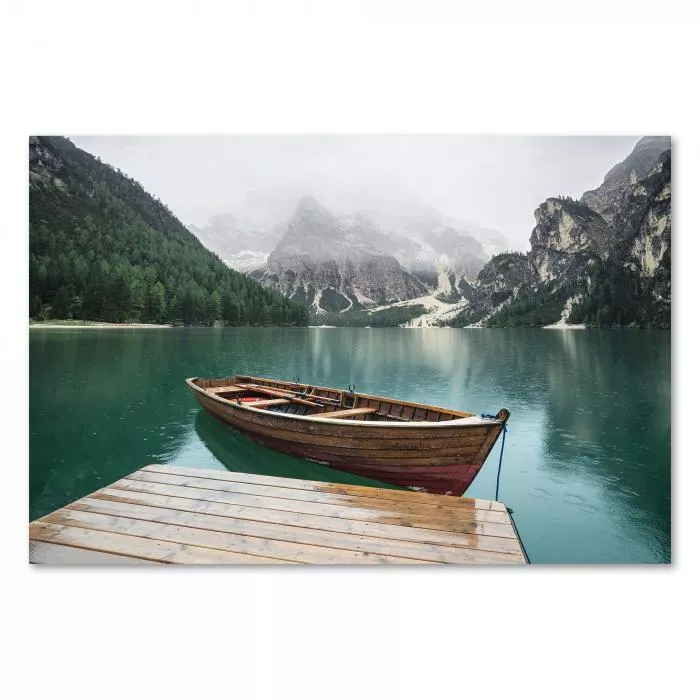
(587, 463)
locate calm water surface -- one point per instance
(587, 463)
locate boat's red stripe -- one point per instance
(452, 479)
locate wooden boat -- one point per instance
(421, 447)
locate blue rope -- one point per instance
(503, 444)
(500, 460)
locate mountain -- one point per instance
(332, 264)
(602, 260)
(243, 238)
(240, 243)
(102, 248)
(446, 258)
(344, 262)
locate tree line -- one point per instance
(620, 296)
(101, 248)
(392, 317)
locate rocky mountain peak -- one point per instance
(339, 261)
(604, 259)
(607, 199)
(42, 158)
(313, 231)
(569, 226)
(566, 234)
(638, 163)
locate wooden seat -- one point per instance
(279, 393)
(346, 413)
(263, 403)
(225, 389)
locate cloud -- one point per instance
(496, 181)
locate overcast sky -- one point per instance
(495, 181)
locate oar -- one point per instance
(325, 399)
(280, 394)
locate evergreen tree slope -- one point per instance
(102, 248)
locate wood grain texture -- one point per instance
(345, 489)
(62, 555)
(346, 413)
(455, 510)
(168, 514)
(299, 535)
(420, 446)
(498, 537)
(400, 515)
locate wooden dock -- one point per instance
(178, 515)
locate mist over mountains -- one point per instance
(336, 261)
(603, 259)
(102, 248)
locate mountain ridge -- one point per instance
(337, 262)
(603, 260)
(101, 248)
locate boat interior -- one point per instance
(321, 402)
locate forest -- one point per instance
(392, 317)
(538, 308)
(101, 248)
(617, 295)
(620, 296)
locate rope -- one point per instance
(498, 482)
(500, 459)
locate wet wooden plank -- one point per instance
(372, 513)
(456, 509)
(219, 541)
(487, 536)
(169, 514)
(138, 547)
(345, 489)
(297, 534)
(62, 555)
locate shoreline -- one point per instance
(88, 326)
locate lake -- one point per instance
(587, 461)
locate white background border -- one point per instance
(379, 67)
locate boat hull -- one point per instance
(436, 458)
(448, 479)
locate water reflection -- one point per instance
(101, 405)
(239, 454)
(587, 460)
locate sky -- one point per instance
(495, 181)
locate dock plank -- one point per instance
(217, 540)
(345, 489)
(372, 513)
(456, 509)
(60, 554)
(138, 547)
(290, 533)
(168, 514)
(478, 537)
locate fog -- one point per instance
(495, 181)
